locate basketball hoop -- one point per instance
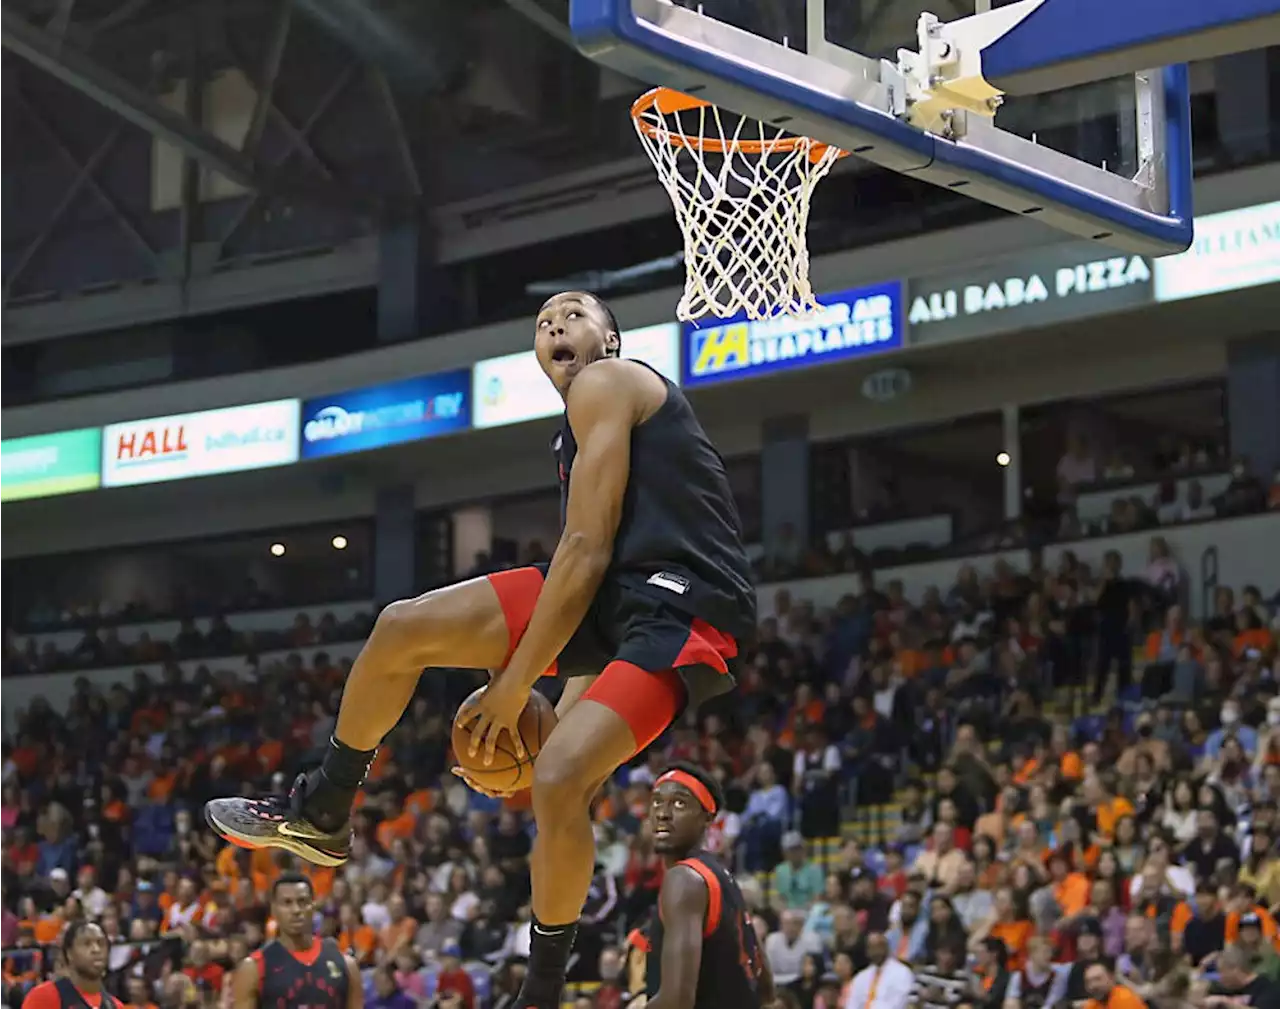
(741, 195)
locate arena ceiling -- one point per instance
(177, 157)
(310, 122)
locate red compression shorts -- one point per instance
(639, 674)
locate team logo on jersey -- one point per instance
(334, 971)
(672, 583)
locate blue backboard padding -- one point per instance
(609, 31)
(1073, 31)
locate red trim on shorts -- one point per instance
(706, 646)
(518, 590)
(715, 896)
(640, 941)
(647, 702)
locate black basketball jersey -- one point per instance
(316, 979)
(732, 960)
(680, 537)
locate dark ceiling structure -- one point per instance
(152, 140)
(173, 159)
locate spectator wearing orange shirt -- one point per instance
(397, 822)
(1106, 993)
(1010, 923)
(355, 938)
(1071, 889)
(400, 930)
(1106, 807)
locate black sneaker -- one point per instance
(274, 823)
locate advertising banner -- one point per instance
(48, 464)
(855, 323)
(200, 444)
(1232, 250)
(1035, 288)
(513, 389)
(382, 415)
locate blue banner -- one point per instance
(856, 323)
(386, 414)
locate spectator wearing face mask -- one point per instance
(1229, 716)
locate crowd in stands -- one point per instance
(101, 646)
(1177, 483)
(1030, 788)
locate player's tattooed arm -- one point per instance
(683, 902)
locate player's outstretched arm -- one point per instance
(355, 984)
(244, 985)
(683, 903)
(606, 401)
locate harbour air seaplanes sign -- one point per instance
(1033, 289)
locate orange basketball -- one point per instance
(507, 773)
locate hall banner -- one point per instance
(1040, 287)
(158, 449)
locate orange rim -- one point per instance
(667, 101)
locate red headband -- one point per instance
(687, 780)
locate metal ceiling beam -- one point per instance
(81, 72)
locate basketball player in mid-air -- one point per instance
(297, 969)
(643, 605)
(702, 950)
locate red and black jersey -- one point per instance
(732, 959)
(314, 979)
(62, 994)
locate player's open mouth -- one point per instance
(662, 832)
(563, 355)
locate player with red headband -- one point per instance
(702, 950)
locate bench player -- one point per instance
(702, 949)
(297, 969)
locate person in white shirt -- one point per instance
(185, 906)
(886, 984)
(786, 949)
(92, 897)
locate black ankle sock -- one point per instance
(332, 789)
(345, 767)
(549, 949)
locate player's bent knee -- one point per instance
(561, 776)
(410, 630)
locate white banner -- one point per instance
(513, 389)
(1232, 250)
(199, 444)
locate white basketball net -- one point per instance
(743, 214)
